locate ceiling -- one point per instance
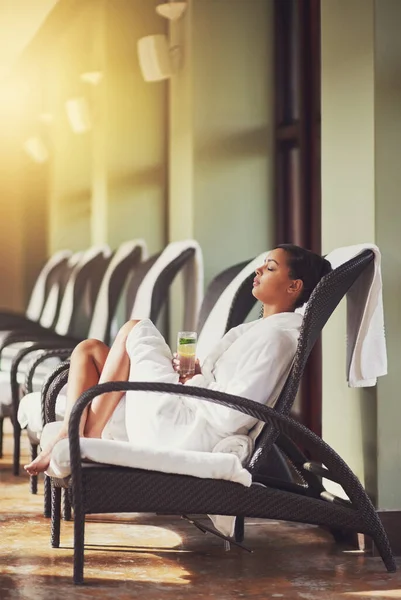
(19, 22)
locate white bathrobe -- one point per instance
(252, 361)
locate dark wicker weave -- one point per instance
(120, 489)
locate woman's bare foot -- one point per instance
(40, 464)
(42, 461)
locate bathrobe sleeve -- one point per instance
(259, 375)
(218, 350)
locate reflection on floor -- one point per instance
(148, 556)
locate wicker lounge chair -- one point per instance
(120, 489)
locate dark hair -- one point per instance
(306, 266)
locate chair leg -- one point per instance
(17, 446)
(239, 531)
(79, 539)
(382, 544)
(345, 536)
(47, 509)
(55, 517)
(33, 479)
(66, 506)
(1, 436)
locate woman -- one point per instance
(252, 360)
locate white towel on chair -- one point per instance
(366, 344)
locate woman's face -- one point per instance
(272, 284)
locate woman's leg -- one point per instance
(92, 362)
(116, 368)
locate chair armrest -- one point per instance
(62, 353)
(14, 371)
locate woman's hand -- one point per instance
(176, 367)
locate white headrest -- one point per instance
(67, 305)
(37, 299)
(101, 311)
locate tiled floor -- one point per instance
(145, 556)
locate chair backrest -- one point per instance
(81, 291)
(52, 269)
(322, 303)
(214, 291)
(154, 277)
(135, 281)
(57, 283)
(125, 260)
(227, 303)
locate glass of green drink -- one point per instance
(186, 350)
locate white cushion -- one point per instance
(5, 388)
(214, 465)
(30, 411)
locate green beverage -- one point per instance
(186, 350)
